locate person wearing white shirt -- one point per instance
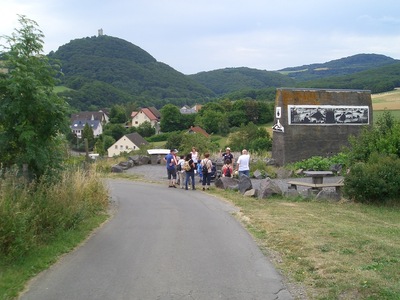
(243, 163)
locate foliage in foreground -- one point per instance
(376, 181)
(319, 163)
(374, 159)
(34, 213)
(31, 114)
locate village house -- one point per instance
(199, 130)
(149, 114)
(78, 126)
(190, 110)
(128, 143)
(95, 119)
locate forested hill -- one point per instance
(103, 71)
(338, 67)
(230, 80)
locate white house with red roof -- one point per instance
(150, 114)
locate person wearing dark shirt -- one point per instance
(227, 155)
(171, 162)
(190, 173)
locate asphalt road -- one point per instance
(163, 243)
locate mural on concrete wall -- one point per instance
(327, 115)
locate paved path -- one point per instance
(163, 243)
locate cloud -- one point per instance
(194, 36)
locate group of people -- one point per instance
(184, 167)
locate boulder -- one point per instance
(336, 169)
(292, 193)
(270, 162)
(282, 173)
(117, 169)
(251, 193)
(124, 165)
(140, 160)
(244, 184)
(328, 195)
(268, 188)
(258, 175)
(225, 182)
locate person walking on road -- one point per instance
(243, 164)
(190, 172)
(171, 163)
(180, 171)
(206, 166)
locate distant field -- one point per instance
(388, 100)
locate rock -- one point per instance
(117, 169)
(251, 193)
(257, 174)
(270, 161)
(328, 195)
(291, 193)
(140, 160)
(283, 173)
(336, 169)
(268, 188)
(124, 165)
(299, 172)
(233, 187)
(244, 184)
(225, 182)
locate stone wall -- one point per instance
(310, 122)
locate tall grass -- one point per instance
(34, 213)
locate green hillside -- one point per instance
(104, 70)
(339, 67)
(230, 80)
(99, 72)
(377, 80)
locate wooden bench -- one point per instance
(317, 186)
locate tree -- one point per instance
(118, 114)
(170, 118)
(32, 116)
(87, 133)
(145, 129)
(250, 137)
(117, 131)
(209, 121)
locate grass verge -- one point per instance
(13, 277)
(42, 220)
(335, 250)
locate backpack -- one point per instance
(204, 169)
(186, 166)
(179, 167)
(228, 172)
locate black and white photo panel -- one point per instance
(328, 115)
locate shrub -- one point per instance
(319, 163)
(376, 181)
(34, 213)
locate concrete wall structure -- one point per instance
(311, 122)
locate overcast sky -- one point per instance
(203, 35)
